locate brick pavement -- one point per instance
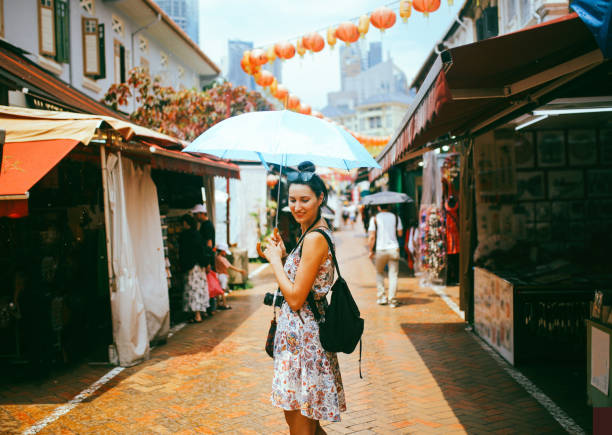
(423, 373)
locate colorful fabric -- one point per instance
(306, 377)
(214, 286)
(195, 292)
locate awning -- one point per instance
(472, 86)
(23, 165)
(178, 161)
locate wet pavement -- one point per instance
(422, 372)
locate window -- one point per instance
(88, 6)
(46, 27)
(62, 31)
(1, 18)
(163, 60)
(375, 122)
(143, 44)
(119, 62)
(91, 47)
(117, 24)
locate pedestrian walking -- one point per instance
(307, 383)
(193, 263)
(383, 232)
(223, 266)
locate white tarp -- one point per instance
(127, 305)
(142, 209)
(247, 198)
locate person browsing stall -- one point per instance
(383, 231)
(307, 383)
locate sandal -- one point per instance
(225, 307)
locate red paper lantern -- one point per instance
(281, 92)
(264, 78)
(293, 102)
(347, 32)
(317, 114)
(284, 50)
(426, 6)
(258, 57)
(306, 42)
(383, 18)
(305, 109)
(316, 42)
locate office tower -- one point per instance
(186, 14)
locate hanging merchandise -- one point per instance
(431, 223)
(405, 10)
(383, 18)
(364, 25)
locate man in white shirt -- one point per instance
(384, 229)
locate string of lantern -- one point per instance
(382, 18)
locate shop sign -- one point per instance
(36, 103)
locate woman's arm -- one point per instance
(314, 251)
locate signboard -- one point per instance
(494, 312)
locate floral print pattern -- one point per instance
(195, 292)
(306, 377)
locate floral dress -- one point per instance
(195, 291)
(306, 377)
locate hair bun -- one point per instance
(306, 167)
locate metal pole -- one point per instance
(280, 178)
(227, 211)
(111, 280)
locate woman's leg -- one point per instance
(300, 425)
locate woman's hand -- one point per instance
(276, 238)
(273, 251)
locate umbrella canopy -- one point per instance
(285, 138)
(385, 198)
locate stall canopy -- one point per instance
(36, 140)
(471, 87)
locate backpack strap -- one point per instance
(331, 248)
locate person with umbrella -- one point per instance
(383, 232)
(307, 383)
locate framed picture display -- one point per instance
(531, 185)
(551, 148)
(582, 147)
(566, 184)
(524, 150)
(599, 182)
(560, 211)
(605, 146)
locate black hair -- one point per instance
(190, 220)
(315, 183)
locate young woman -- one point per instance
(307, 382)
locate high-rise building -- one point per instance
(235, 74)
(186, 14)
(351, 62)
(374, 54)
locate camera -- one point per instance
(269, 297)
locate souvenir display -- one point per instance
(433, 244)
(551, 148)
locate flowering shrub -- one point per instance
(185, 113)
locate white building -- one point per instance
(91, 44)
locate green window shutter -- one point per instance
(123, 72)
(102, 52)
(62, 31)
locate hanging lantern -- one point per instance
(271, 55)
(274, 86)
(247, 66)
(271, 180)
(305, 42)
(316, 41)
(284, 50)
(293, 102)
(364, 25)
(317, 114)
(331, 37)
(281, 92)
(426, 6)
(258, 57)
(347, 32)
(405, 10)
(264, 78)
(383, 18)
(305, 109)
(300, 48)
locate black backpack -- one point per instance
(341, 328)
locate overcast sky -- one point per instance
(311, 78)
